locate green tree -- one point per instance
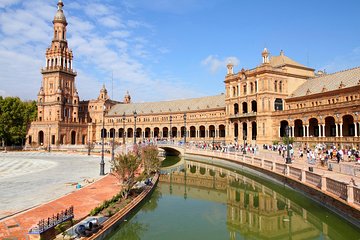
(124, 167)
(15, 117)
(285, 138)
(150, 159)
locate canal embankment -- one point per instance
(337, 192)
(118, 218)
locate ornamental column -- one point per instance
(336, 130)
(307, 131)
(323, 127)
(355, 129)
(292, 131)
(279, 131)
(319, 127)
(304, 131)
(341, 128)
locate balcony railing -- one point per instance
(243, 115)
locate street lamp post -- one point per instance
(49, 137)
(89, 140)
(102, 163)
(123, 118)
(170, 129)
(113, 142)
(244, 138)
(288, 158)
(184, 128)
(135, 116)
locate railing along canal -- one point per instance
(348, 192)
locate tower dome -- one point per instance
(59, 16)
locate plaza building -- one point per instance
(256, 108)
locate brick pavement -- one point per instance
(83, 200)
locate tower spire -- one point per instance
(59, 16)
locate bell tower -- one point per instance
(58, 99)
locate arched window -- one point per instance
(251, 87)
(236, 108)
(280, 86)
(275, 86)
(55, 34)
(278, 104)
(244, 88)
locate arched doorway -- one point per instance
(192, 132)
(121, 132)
(138, 132)
(202, 131)
(174, 132)
(212, 131)
(330, 127)
(236, 131)
(348, 126)
(112, 133)
(103, 133)
(73, 137)
(244, 107)
(165, 132)
(299, 129)
(41, 138)
(253, 106)
(147, 132)
(182, 132)
(221, 131)
(313, 127)
(130, 133)
(283, 125)
(253, 130)
(156, 132)
(245, 132)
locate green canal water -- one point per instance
(204, 201)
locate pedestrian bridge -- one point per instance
(172, 149)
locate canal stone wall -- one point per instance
(114, 221)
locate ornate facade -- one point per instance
(257, 106)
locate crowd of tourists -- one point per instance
(319, 154)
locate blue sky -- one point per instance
(168, 49)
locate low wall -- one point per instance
(113, 222)
(342, 198)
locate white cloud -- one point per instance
(6, 3)
(215, 64)
(121, 47)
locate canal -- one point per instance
(204, 201)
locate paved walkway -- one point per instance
(83, 200)
(343, 175)
(29, 179)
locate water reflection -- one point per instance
(254, 210)
(132, 231)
